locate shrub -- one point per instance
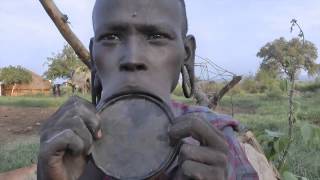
(235, 90)
(249, 85)
(283, 84)
(311, 87)
(274, 93)
(178, 91)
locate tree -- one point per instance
(12, 75)
(61, 21)
(267, 81)
(63, 64)
(288, 58)
(80, 80)
(67, 65)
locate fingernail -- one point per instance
(99, 134)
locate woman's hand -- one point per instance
(205, 162)
(66, 139)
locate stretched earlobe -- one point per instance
(187, 69)
(187, 82)
(91, 46)
(96, 87)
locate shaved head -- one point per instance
(182, 10)
(184, 14)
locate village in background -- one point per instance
(66, 75)
(39, 86)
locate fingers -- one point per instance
(199, 171)
(61, 155)
(207, 161)
(66, 139)
(199, 129)
(87, 112)
(84, 132)
(77, 126)
(203, 155)
(94, 126)
(66, 108)
(59, 143)
(74, 108)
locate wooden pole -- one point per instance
(61, 22)
(215, 100)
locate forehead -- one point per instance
(168, 12)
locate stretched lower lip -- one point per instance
(128, 89)
(131, 87)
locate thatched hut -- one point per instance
(38, 85)
(1, 88)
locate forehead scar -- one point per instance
(134, 15)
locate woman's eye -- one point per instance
(156, 37)
(111, 37)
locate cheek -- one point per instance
(176, 64)
(175, 60)
(103, 58)
(170, 61)
(170, 57)
(98, 55)
(176, 68)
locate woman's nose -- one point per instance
(132, 66)
(134, 58)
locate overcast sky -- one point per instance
(230, 32)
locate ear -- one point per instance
(95, 83)
(187, 69)
(93, 63)
(190, 49)
(90, 47)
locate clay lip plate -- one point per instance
(135, 144)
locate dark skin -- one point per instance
(138, 45)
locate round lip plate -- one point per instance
(165, 108)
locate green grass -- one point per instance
(18, 154)
(35, 101)
(258, 113)
(182, 99)
(32, 101)
(272, 114)
(49, 101)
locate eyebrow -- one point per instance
(144, 28)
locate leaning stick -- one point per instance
(216, 99)
(61, 22)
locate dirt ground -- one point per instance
(20, 122)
